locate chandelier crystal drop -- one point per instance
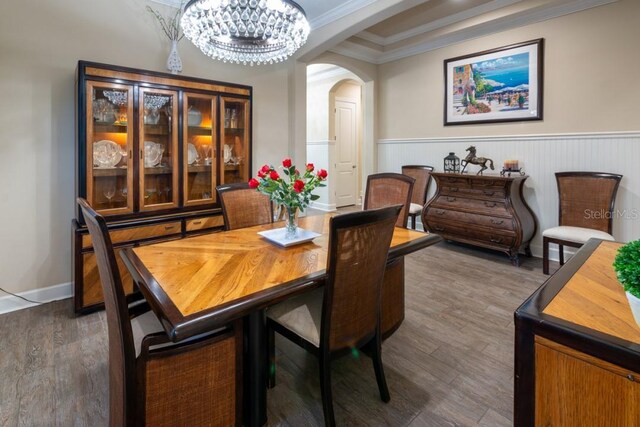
(245, 31)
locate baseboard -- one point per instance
(10, 303)
(554, 253)
(323, 206)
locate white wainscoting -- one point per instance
(541, 156)
(318, 153)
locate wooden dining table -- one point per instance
(201, 283)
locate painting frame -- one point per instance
(498, 101)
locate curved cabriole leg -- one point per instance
(527, 251)
(377, 365)
(325, 388)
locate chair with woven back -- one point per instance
(153, 381)
(243, 206)
(344, 315)
(388, 189)
(422, 175)
(586, 201)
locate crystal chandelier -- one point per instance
(245, 31)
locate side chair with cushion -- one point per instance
(422, 175)
(388, 189)
(586, 201)
(345, 314)
(153, 381)
(243, 206)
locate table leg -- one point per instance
(255, 395)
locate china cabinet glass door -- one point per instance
(234, 140)
(109, 147)
(158, 145)
(199, 149)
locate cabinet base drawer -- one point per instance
(470, 234)
(488, 207)
(138, 233)
(204, 223)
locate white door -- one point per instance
(346, 153)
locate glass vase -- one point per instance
(291, 223)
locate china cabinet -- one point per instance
(151, 148)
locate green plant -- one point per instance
(627, 267)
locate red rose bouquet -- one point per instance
(293, 191)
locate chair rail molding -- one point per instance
(540, 156)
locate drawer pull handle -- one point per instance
(631, 378)
(451, 199)
(169, 227)
(197, 222)
(496, 239)
(497, 221)
(490, 204)
(454, 189)
(438, 228)
(440, 211)
(489, 193)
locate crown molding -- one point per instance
(437, 24)
(346, 8)
(363, 53)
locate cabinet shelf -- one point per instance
(156, 130)
(157, 170)
(109, 128)
(199, 168)
(199, 130)
(234, 131)
(109, 172)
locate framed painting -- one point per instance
(498, 85)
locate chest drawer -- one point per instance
(483, 193)
(471, 218)
(489, 207)
(471, 233)
(139, 233)
(204, 223)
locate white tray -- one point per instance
(277, 236)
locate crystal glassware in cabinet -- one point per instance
(158, 147)
(235, 161)
(199, 178)
(109, 141)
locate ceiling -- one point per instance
(379, 31)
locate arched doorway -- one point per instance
(336, 130)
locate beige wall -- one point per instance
(590, 79)
(40, 44)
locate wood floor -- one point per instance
(449, 364)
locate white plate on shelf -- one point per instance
(192, 154)
(277, 236)
(106, 154)
(152, 154)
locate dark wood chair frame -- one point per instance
(221, 189)
(372, 341)
(413, 216)
(562, 243)
(127, 374)
(403, 220)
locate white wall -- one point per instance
(591, 62)
(40, 44)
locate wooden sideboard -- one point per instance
(577, 360)
(482, 210)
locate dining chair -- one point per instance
(153, 381)
(344, 315)
(422, 175)
(243, 206)
(586, 201)
(389, 189)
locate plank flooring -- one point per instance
(449, 364)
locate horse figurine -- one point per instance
(480, 161)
